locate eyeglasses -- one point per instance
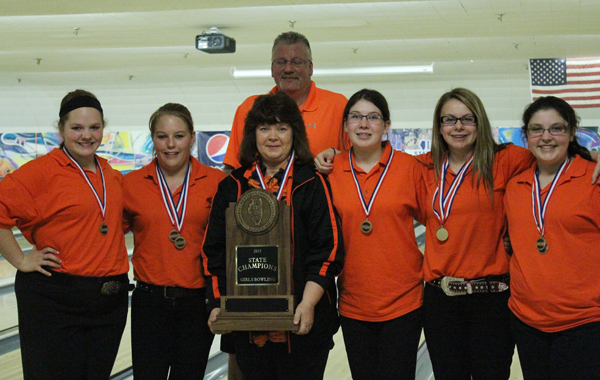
(556, 130)
(372, 118)
(296, 62)
(465, 120)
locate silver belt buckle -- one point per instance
(110, 287)
(445, 284)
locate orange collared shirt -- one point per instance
(475, 226)
(322, 112)
(558, 290)
(382, 277)
(155, 258)
(51, 203)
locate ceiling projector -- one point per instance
(214, 42)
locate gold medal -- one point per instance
(441, 234)
(180, 242)
(173, 235)
(541, 245)
(104, 229)
(366, 227)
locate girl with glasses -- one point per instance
(554, 226)
(466, 265)
(375, 192)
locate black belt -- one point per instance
(453, 286)
(170, 292)
(107, 286)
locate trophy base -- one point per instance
(244, 313)
(225, 324)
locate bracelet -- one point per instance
(335, 151)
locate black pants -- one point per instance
(67, 332)
(383, 350)
(169, 334)
(568, 354)
(275, 361)
(468, 335)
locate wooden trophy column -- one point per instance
(259, 279)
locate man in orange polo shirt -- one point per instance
(322, 110)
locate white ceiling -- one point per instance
(150, 41)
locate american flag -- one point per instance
(576, 80)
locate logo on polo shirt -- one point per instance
(216, 147)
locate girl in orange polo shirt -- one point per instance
(167, 204)
(554, 227)
(466, 316)
(72, 286)
(375, 192)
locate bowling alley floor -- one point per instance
(10, 358)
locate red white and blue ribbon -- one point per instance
(446, 201)
(283, 180)
(367, 207)
(101, 202)
(539, 207)
(176, 212)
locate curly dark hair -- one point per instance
(273, 109)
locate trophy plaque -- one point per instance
(259, 278)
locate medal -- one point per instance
(366, 227)
(173, 235)
(441, 234)
(180, 242)
(446, 200)
(103, 229)
(541, 245)
(176, 212)
(540, 208)
(101, 202)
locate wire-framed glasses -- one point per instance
(296, 62)
(465, 120)
(372, 118)
(555, 130)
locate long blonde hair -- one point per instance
(485, 146)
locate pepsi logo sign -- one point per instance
(216, 147)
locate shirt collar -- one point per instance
(199, 171)
(387, 150)
(61, 157)
(576, 168)
(310, 104)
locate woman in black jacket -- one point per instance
(275, 153)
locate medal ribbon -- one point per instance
(283, 180)
(539, 208)
(445, 202)
(101, 202)
(176, 212)
(367, 207)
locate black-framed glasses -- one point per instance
(555, 130)
(296, 62)
(465, 120)
(372, 118)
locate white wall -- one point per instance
(34, 108)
